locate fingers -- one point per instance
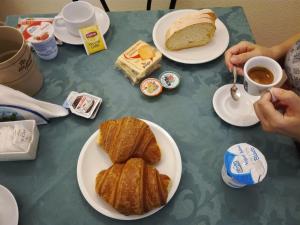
(237, 49)
(273, 121)
(240, 70)
(270, 118)
(242, 58)
(228, 55)
(241, 47)
(285, 97)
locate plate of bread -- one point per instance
(129, 169)
(191, 36)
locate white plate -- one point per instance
(9, 213)
(239, 113)
(61, 31)
(195, 55)
(93, 159)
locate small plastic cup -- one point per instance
(169, 80)
(43, 41)
(244, 165)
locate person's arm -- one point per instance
(281, 49)
(238, 54)
(272, 120)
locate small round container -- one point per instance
(151, 87)
(169, 79)
(43, 41)
(244, 165)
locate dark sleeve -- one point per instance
(292, 67)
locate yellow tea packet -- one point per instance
(92, 38)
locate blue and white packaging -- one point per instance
(243, 165)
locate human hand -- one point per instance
(286, 123)
(238, 54)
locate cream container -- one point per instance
(42, 40)
(243, 165)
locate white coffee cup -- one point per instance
(254, 88)
(76, 15)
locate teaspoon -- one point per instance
(235, 94)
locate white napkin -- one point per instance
(17, 104)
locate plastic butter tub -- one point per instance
(243, 165)
(18, 140)
(169, 80)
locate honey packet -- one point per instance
(92, 38)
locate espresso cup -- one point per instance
(255, 88)
(76, 15)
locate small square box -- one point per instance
(27, 154)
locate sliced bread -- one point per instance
(191, 30)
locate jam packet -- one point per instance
(83, 104)
(92, 38)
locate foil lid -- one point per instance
(245, 164)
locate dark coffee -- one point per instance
(261, 75)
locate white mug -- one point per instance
(76, 15)
(254, 88)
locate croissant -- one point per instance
(133, 188)
(128, 137)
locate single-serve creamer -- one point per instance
(243, 165)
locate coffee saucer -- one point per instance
(60, 31)
(9, 213)
(238, 113)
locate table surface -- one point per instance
(47, 191)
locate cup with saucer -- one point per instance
(76, 15)
(238, 113)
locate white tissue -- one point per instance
(28, 107)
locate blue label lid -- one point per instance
(245, 164)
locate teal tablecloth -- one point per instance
(46, 189)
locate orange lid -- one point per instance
(151, 87)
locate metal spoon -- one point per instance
(235, 94)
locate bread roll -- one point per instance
(191, 30)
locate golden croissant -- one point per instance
(133, 188)
(128, 137)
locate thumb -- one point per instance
(285, 97)
(242, 58)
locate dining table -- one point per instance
(46, 189)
